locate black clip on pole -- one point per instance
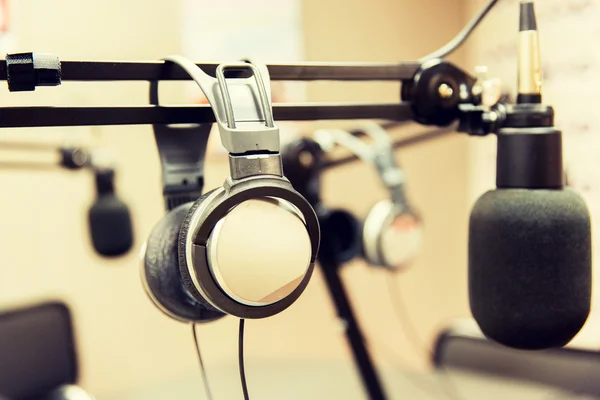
(340, 242)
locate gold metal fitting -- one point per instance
(445, 91)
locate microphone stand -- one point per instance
(354, 335)
(69, 157)
(303, 161)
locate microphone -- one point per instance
(109, 218)
(530, 239)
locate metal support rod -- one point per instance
(29, 145)
(306, 179)
(354, 335)
(39, 116)
(397, 144)
(31, 166)
(87, 71)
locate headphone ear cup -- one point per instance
(181, 250)
(372, 228)
(161, 271)
(391, 235)
(340, 235)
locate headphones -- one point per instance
(392, 230)
(247, 248)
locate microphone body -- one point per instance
(530, 266)
(530, 258)
(110, 226)
(530, 245)
(109, 219)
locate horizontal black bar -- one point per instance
(154, 70)
(397, 144)
(39, 116)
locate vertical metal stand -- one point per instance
(354, 335)
(302, 164)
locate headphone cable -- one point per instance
(412, 336)
(202, 369)
(463, 35)
(417, 383)
(450, 391)
(241, 360)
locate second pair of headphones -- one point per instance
(247, 248)
(392, 231)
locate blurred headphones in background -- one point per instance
(392, 231)
(247, 248)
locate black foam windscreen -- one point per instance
(109, 218)
(110, 226)
(530, 266)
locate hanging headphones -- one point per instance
(392, 231)
(247, 248)
(303, 160)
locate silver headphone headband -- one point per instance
(253, 140)
(255, 131)
(380, 153)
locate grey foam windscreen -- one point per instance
(530, 266)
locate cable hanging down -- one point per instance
(202, 369)
(241, 360)
(411, 334)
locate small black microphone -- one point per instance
(109, 218)
(530, 262)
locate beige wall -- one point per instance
(124, 342)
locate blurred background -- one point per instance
(124, 343)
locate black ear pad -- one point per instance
(162, 271)
(183, 266)
(340, 235)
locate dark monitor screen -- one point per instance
(37, 351)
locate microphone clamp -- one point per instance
(26, 71)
